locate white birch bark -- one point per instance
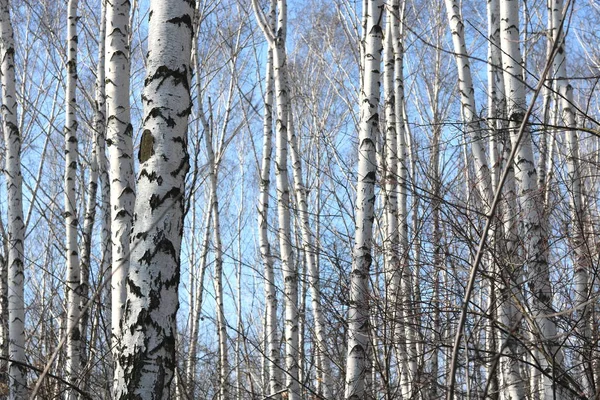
(531, 228)
(120, 151)
(467, 99)
(17, 373)
(357, 364)
(289, 268)
(71, 218)
(564, 92)
(406, 295)
(146, 361)
(271, 327)
(504, 234)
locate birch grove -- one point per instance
(332, 200)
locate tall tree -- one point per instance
(146, 361)
(357, 365)
(271, 327)
(17, 373)
(120, 149)
(71, 218)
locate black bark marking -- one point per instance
(184, 19)
(156, 201)
(163, 72)
(153, 176)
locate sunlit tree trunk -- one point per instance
(71, 219)
(357, 363)
(271, 327)
(17, 372)
(531, 227)
(564, 92)
(146, 360)
(120, 150)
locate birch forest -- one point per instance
(300, 200)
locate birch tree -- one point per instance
(271, 326)
(531, 228)
(120, 149)
(357, 364)
(17, 373)
(146, 361)
(564, 93)
(71, 220)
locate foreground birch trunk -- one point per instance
(357, 363)
(146, 361)
(71, 220)
(120, 150)
(17, 373)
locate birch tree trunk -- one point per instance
(308, 244)
(271, 328)
(583, 259)
(146, 360)
(17, 373)
(120, 150)
(357, 364)
(90, 207)
(405, 320)
(71, 219)
(531, 228)
(221, 323)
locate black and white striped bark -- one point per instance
(583, 258)
(357, 364)
(288, 266)
(71, 217)
(120, 153)
(146, 361)
(17, 374)
(271, 326)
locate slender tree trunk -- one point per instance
(271, 327)
(308, 244)
(90, 207)
(405, 319)
(71, 219)
(17, 373)
(120, 150)
(357, 364)
(582, 265)
(196, 315)
(146, 361)
(218, 276)
(531, 229)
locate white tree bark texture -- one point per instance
(120, 152)
(357, 363)
(71, 217)
(17, 372)
(146, 362)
